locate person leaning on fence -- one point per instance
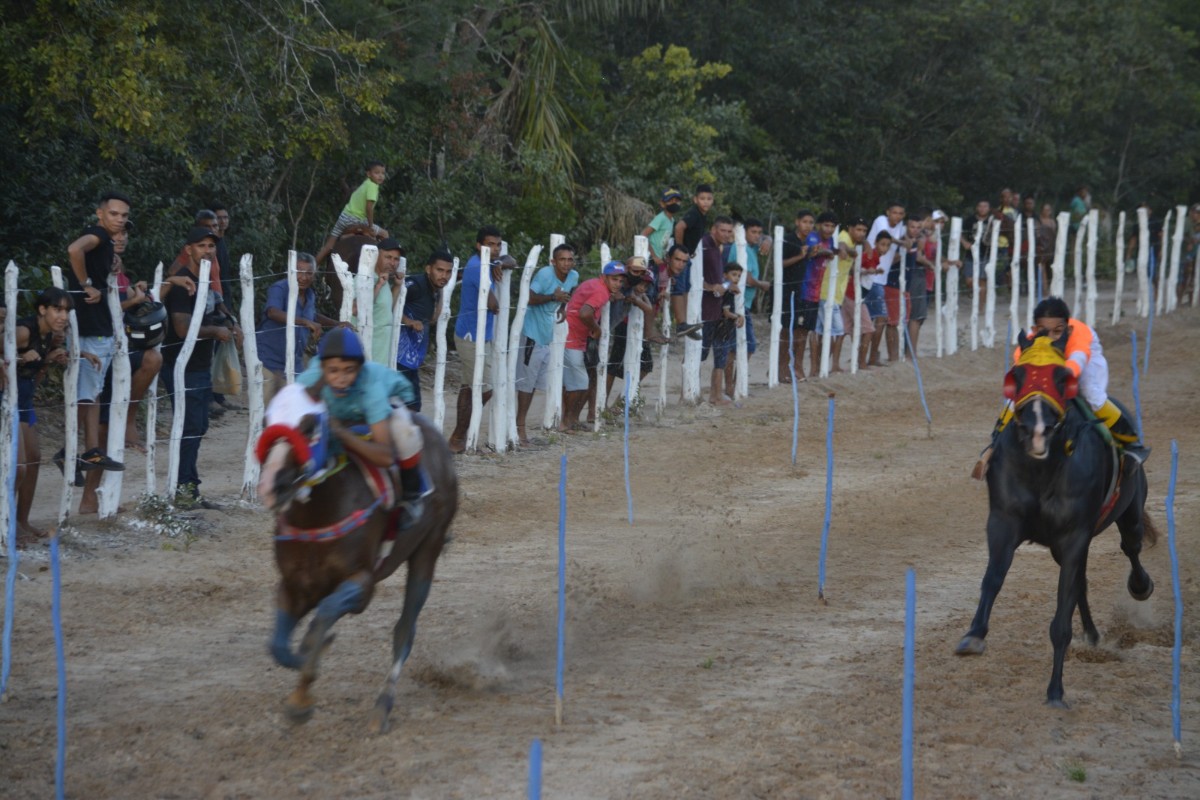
(583, 338)
(422, 306)
(465, 329)
(272, 333)
(637, 292)
(724, 338)
(691, 228)
(794, 335)
(549, 292)
(197, 375)
(359, 209)
(756, 244)
(676, 280)
(361, 393)
(40, 343)
(850, 239)
(144, 366)
(388, 280)
(1085, 359)
(91, 257)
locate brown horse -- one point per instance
(330, 547)
(348, 247)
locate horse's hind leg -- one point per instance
(352, 595)
(1090, 634)
(416, 592)
(1133, 530)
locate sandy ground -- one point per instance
(700, 663)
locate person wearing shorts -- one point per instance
(583, 326)
(549, 290)
(723, 338)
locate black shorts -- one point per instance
(105, 399)
(616, 352)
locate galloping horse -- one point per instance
(333, 525)
(1057, 479)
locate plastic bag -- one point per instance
(226, 370)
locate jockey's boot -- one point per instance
(1122, 429)
(415, 486)
(981, 466)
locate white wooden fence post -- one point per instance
(902, 306)
(1058, 280)
(293, 297)
(180, 398)
(398, 315)
(664, 350)
(70, 404)
(605, 345)
(439, 372)
(1160, 268)
(8, 409)
(346, 279)
(1078, 266)
(989, 313)
(501, 378)
(1014, 269)
(1090, 293)
(1030, 274)
(1143, 262)
(635, 332)
(692, 348)
(976, 249)
(776, 308)
(558, 347)
(481, 311)
(1176, 253)
(856, 338)
(254, 371)
(950, 309)
(151, 401)
(517, 333)
(831, 308)
(1120, 259)
(741, 379)
(108, 493)
(364, 294)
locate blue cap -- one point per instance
(614, 268)
(341, 343)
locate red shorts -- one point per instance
(848, 315)
(891, 297)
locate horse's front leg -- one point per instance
(351, 596)
(1003, 538)
(289, 610)
(1071, 557)
(416, 592)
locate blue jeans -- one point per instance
(414, 377)
(751, 344)
(198, 387)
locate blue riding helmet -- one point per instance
(341, 343)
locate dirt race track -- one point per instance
(699, 662)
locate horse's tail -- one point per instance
(1149, 531)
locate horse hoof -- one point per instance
(378, 723)
(1092, 639)
(298, 715)
(1059, 703)
(970, 646)
(1141, 595)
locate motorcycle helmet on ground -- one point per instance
(146, 325)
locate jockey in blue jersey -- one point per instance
(358, 392)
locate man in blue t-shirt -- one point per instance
(466, 328)
(548, 292)
(422, 306)
(272, 336)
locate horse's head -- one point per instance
(286, 449)
(1039, 387)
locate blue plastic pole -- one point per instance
(562, 588)
(1150, 322)
(535, 770)
(1137, 393)
(1177, 651)
(917, 368)
(828, 501)
(910, 617)
(60, 757)
(795, 388)
(10, 580)
(628, 487)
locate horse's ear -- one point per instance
(1023, 341)
(1060, 344)
(1012, 382)
(1068, 384)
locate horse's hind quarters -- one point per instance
(970, 646)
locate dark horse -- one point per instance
(329, 549)
(348, 247)
(1056, 479)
